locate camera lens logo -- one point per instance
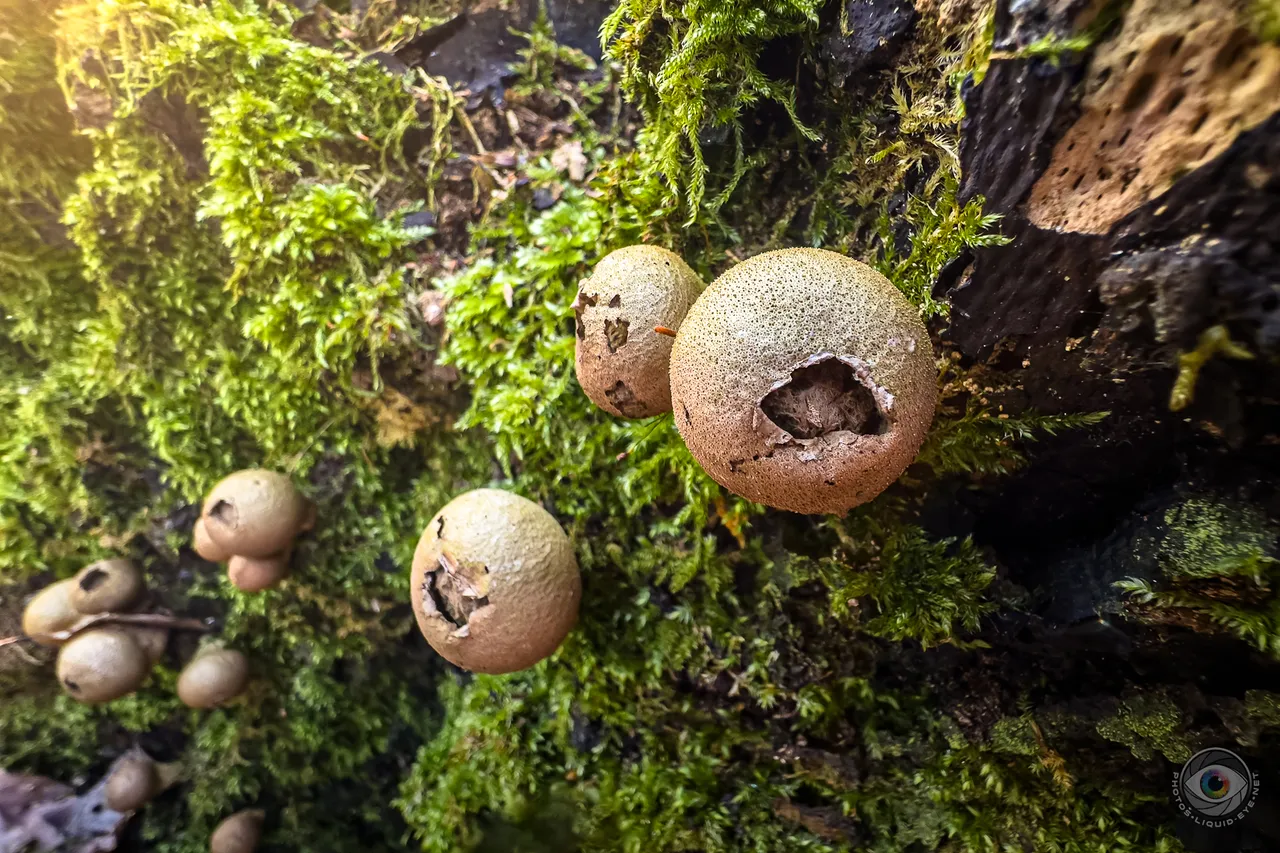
(1215, 785)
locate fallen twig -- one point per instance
(145, 620)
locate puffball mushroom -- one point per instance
(213, 677)
(152, 641)
(49, 612)
(135, 780)
(132, 784)
(101, 665)
(107, 586)
(254, 574)
(803, 380)
(206, 547)
(495, 584)
(250, 520)
(255, 513)
(239, 833)
(621, 362)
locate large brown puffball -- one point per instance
(50, 611)
(107, 586)
(253, 513)
(101, 665)
(239, 833)
(803, 380)
(495, 584)
(622, 363)
(213, 677)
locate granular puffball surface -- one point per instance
(621, 362)
(803, 380)
(252, 513)
(495, 584)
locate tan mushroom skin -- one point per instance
(253, 574)
(250, 520)
(107, 586)
(255, 513)
(621, 362)
(803, 380)
(214, 677)
(238, 833)
(495, 583)
(101, 665)
(132, 784)
(50, 611)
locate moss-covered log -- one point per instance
(344, 244)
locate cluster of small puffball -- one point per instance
(100, 660)
(800, 379)
(495, 585)
(249, 521)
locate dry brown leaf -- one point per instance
(569, 158)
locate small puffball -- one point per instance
(239, 833)
(101, 665)
(107, 586)
(213, 678)
(254, 574)
(132, 784)
(255, 513)
(206, 547)
(50, 611)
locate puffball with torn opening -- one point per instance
(621, 362)
(495, 584)
(803, 380)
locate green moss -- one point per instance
(694, 70)
(1266, 19)
(1263, 707)
(1217, 557)
(240, 298)
(1148, 723)
(1212, 537)
(909, 586)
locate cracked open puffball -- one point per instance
(621, 362)
(107, 586)
(253, 513)
(102, 665)
(495, 584)
(803, 380)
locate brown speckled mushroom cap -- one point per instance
(238, 833)
(107, 586)
(802, 379)
(50, 611)
(622, 363)
(101, 665)
(254, 513)
(495, 584)
(212, 678)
